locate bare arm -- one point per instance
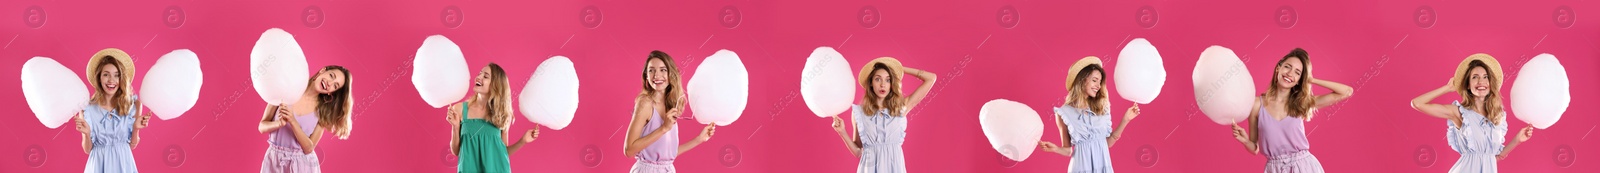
(1340, 92)
(83, 129)
(453, 116)
(1126, 117)
(307, 143)
(268, 122)
(641, 114)
(851, 141)
(705, 134)
(1437, 110)
(928, 78)
(1521, 136)
(1249, 139)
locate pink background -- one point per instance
(1376, 46)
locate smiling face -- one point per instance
(328, 80)
(881, 83)
(1478, 81)
(1290, 72)
(110, 78)
(480, 84)
(656, 72)
(1091, 85)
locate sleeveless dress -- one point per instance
(658, 157)
(284, 154)
(1284, 142)
(1091, 153)
(482, 146)
(881, 135)
(1477, 140)
(109, 133)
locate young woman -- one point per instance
(110, 124)
(1085, 120)
(480, 140)
(1277, 128)
(653, 133)
(1477, 126)
(296, 127)
(880, 118)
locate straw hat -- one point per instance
(1085, 62)
(865, 78)
(93, 72)
(1494, 68)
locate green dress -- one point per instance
(482, 147)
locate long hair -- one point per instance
(1300, 99)
(1491, 101)
(892, 102)
(333, 108)
(499, 98)
(671, 98)
(119, 99)
(1098, 103)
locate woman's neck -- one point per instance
(1477, 104)
(1278, 94)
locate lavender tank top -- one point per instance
(283, 137)
(1278, 137)
(665, 149)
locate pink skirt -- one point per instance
(289, 160)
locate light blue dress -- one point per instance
(110, 134)
(1090, 152)
(881, 135)
(1477, 140)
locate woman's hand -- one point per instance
(141, 121)
(1240, 134)
(1524, 134)
(1053, 148)
(1132, 112)
(453, 116)
(705, 135)
(531, 135)
(672, 118)
(838, 124)
(288, 118)
(82, 126)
